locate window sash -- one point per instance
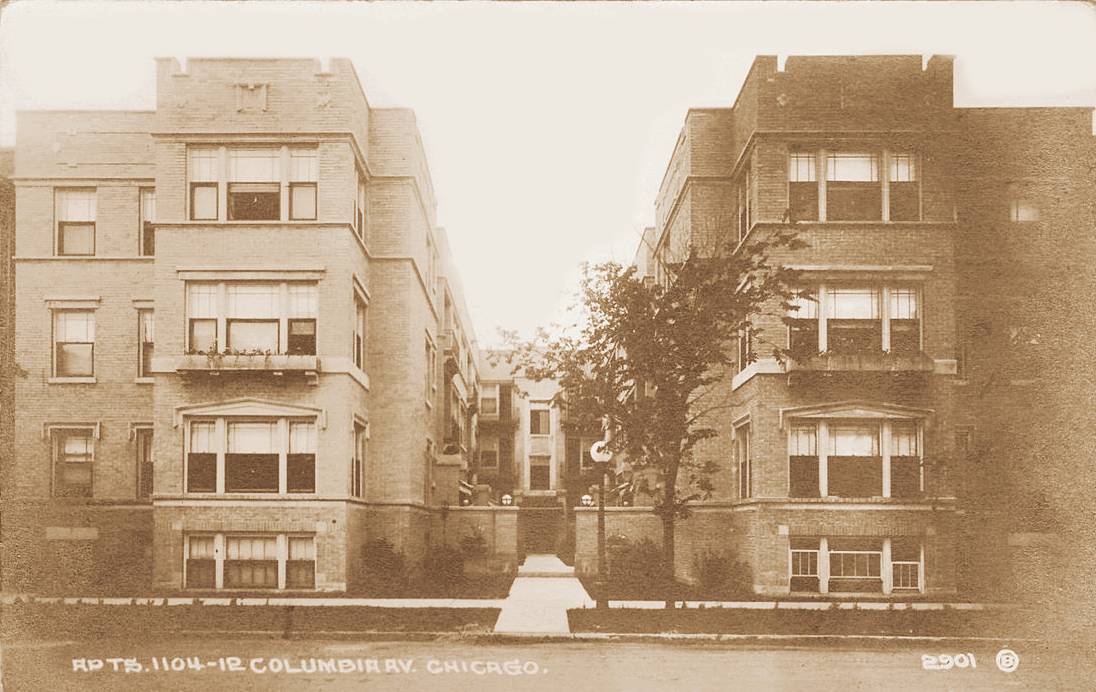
(252, 300)
(204, 201)
(302, 201)
(903, 304)
(855, 564)
(76, 238)
(801, 167)
(858, 167)
(203, 165)
(258, 165)
(304, 165)
(253, 437)
(854, 441)
(540, 422)
(903, 167)
(804, 563)
(854, 303)
(803, 441)
(76, 205)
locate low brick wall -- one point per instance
(497, 525)
(633, 523)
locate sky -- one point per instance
(547, 126)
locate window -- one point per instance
(804, 564)
(359, 209)
(489, 453)
(73, 459)
(743, 457)
(803, 323)
(76, 221)
(906, 564)
(745, 348)
(431, 265)
(201, 562)
(540, 421)
(251, 562)
(855, 564)
(301, 316)
(853, 189)
(357, 472)
(303, 174)
(276, 318)
(905, 461)
(300, 566)
(257, 456)
(1021, 208)
(254, 185)
(203, 173)
(73, 343)
(540, 472)
(143, 438)
(803, 461)
(745, 206)
(201, 459)
(431, 371)
(905, 321)
(251, 459)
(359, 333)
(858, 320)
(802, 187)
(586, 462)
(489, 400)
(146, 342)
(148, 218)
(854, 464)
(854, 324)
(300, 462)
(903, 188)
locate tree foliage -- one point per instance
(656, 360)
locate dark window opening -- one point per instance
(803, 201)
(803, 337)
(845, 336)
(853, 201)
(539, 422)
(201, 472)
(254, 202)
(539, 478)
(855, 476)
(905, 477)
(256, 473)
(302, 338)
(144, 464)
(905, 204)
(300, 473)
(201, 574)
(905, 336)
(803, 477)
(300, 574)
(251, 574)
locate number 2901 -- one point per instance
(948, 661)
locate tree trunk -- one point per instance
(668, 554)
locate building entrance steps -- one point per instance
(544, 590)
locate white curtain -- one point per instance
(853, 167)
(303, 166)
(254, 165)
(302, 438)
(203, 436)
(253, 438)
(254, 301)
(75, 327)
(203, 165)
(76, 205)
(854, 303)
(201, 300)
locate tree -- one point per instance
(656, 360)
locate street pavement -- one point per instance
(205, 663)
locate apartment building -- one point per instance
(850, 467)
(232, 314)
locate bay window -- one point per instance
(261, 183)
(76, 209)
(854, 320)
(272, 455)
(855, 458)
(249, 561)
(867, 185)
(255, 317)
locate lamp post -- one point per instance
(601, 456)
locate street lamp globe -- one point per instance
(587, 501)
(507, 500)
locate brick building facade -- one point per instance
(853, 465)
(235, 321)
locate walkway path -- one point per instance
(544, 590)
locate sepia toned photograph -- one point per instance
(547, 345)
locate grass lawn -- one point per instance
(35, 621)
(493, 586)
(648, 591)
(801, 622)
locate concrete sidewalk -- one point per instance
(545, 589)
